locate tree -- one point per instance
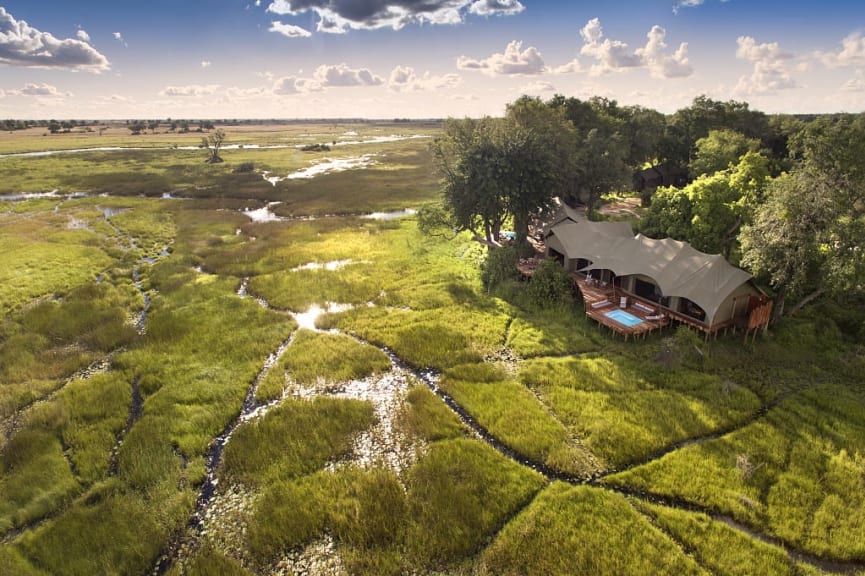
(137, 127)
(495, 168)
(213, 143)
(600, 150)
(719, 150)
(807, 237)
(710, 211)
(468, 157)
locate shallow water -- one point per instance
(329, 266)
(324, 167)
(391, 215)
(263, 214)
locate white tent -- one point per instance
(678, 269)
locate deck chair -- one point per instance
(623, 302)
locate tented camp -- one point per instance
(671, 277)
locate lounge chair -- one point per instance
(623, 302)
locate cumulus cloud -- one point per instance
(496, 7)
(771, 71)
(538, 87)
(289, 30)
(205, 63)
(83, 35)
(43, 90)
(404, 79)
(855, 84)
(514, 61)
(25, 46)
(614, 55)
(191, 90)
(340, 16)
(293, 85)
(852, 53)
(689, 4)
(119, 37)
(342, 75)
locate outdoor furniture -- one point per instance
(623, 302)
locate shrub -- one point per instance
(245, 167)
(499, 266)
(550, 286)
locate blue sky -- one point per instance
(421, 58)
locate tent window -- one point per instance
(647, 290)
(688, 308)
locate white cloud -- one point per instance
(293, 85)
(119, 37)
(571, 67)
(538, 87)
(24, 46)
(289, 30)
(852, 52)
(770, 73)
(689, 4)
(190, 90)
(661, 65)
(496, 7)
(83, 35)
(614, 55)
(44, 90)
(340, 16)
(342, 75)
(235, 93)
(404, 79)
(205, 63)
(855, 84)
(514, 61)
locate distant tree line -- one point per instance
(781, 195)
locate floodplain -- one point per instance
(188, 389)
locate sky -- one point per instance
(96, 59)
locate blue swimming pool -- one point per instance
(623, 317)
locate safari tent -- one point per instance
(703, 290)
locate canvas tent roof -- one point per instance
(676, 267)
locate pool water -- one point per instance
(623, 317)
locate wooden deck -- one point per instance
(601, 298)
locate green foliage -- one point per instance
(499, 266)
(719, 150)
(551, 286)
(295, 438)
(582, 530)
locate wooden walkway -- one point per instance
(601, 298)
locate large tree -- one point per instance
(496, 168)
(601, 147)
(710, 211)
(807, 237)
(719, 150)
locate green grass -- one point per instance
(316, 358)
(295, 438)
(426, 417)
(511, 413)
(797, 473)
(581, 530)
(35, 479)
(625, 411)
(716, 546)
(549, 334)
